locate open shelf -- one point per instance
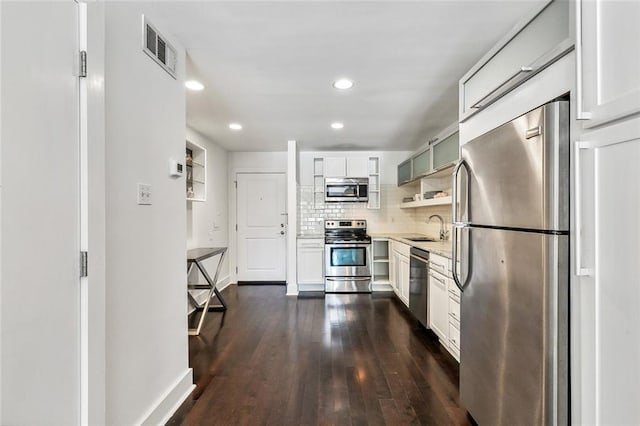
(196, 172)
(443, 201)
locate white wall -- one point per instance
(208, 221)
(146, 316)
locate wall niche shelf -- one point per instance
(196, 172)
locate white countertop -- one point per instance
(443, 248)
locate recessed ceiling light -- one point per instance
(337, 125)
(343, 84)
(193, 85)
(235, 126)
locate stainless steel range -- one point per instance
(347, 254)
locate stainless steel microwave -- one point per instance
(346, 190)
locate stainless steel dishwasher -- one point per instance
(419, 285)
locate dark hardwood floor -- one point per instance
(349, 359)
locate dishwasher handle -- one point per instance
(420, 259)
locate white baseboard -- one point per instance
(167, 405)
(381, 287)
(310, 287)
(201, 295)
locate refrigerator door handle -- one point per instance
(456, 223)
(454, 187)
(454, 257)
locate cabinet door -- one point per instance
(392, 268)
(446, 151)
(310, 262)
(608, 54)
(608, 302)
(404, 279)
(357, 167)
(526, 51)
(335, 167)
(438, 307)
(404, 172)
(422, 164)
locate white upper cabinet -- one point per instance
(335, 167)
(357, 167)
(608, 60)
(346, 167)
(538, 41)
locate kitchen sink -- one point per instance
(421, 239)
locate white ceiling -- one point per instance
(270, 66)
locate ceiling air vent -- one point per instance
(155, 45)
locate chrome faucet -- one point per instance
(444, 234)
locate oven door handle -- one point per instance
(349, 279)
(348, 246)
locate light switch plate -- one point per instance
(144, 194)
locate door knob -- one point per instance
(282, 225)
(281, 232)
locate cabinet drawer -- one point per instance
(454, 337)
(401, 248)
(454, 291)
(453, 350)
(525, 51)
(439, 264)
(454, 311)
(311, 243)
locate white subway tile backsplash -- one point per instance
(388, 219)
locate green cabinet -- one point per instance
(446, 151)
(432, 162)
(405, 172)
(422, 164)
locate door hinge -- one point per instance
(83, 63)
(235, 182)
(84, 264)
(236, 227)
(236, 269)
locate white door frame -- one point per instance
(92, 216)
(233, 214)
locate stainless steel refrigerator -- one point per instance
(511, 235)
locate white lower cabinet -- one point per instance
(439, 306)
(444, 304)
(399, 270)
(310, 264)
(404, 279)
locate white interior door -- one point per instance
(40, 232)
(262, 227)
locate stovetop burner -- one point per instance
(346, 232)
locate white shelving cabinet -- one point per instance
(318, 182)
(196, 172)
(380, 263)
(341, 167)
(373, 170)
